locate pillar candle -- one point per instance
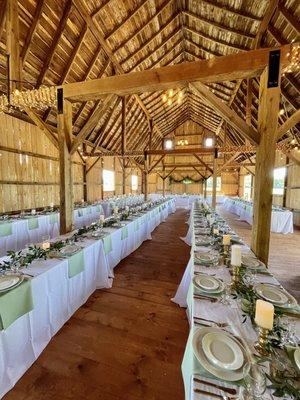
(226, 240)
(33, 211)
(51, 205)
(46, 245)
(101, 218)
(116, 210)
(236, 255)
(216, 231)
(264, 314)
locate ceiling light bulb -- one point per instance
(293, 141)
(169, 102)
(281, 112)
(180, 95)
(171, 92)
(164, 98)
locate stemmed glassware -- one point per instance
(255, 381)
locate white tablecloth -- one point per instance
(181, 201)
(200, 308)
(56, 296)
(48, 225)
(281, 222)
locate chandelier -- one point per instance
(41, 99)
(182, 142)
(169, 97)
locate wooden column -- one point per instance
(123, 144)
(101, 179)
(164, 179)
(85, 168)
(12, 43)
(205, 188)
(214, 185)
(287, 161)
(64, 130)
(269, 98)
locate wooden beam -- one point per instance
(12, 43)
(123, 144)
(92, 122)
(228, 161)
(230, 67)
(293, 120)
(2, 15)
(214, 185)
(156, 163)
(269, 101)
(290, 18)
(197, 170)
(203, 163)
(265, 22)
(32, 30)
(41, 125)
(227, 113)
(55, 40)
(64, 124)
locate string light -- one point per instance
(294, 64)
(169, 97)
(281, 112)
(182, 142)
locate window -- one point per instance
(209, 184)
(247, 186)
(168, 145)
(134, 182)
(278, 184)
(209, 142)
(108, 180)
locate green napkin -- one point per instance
(76, 264)
(33, 223)
(124, 233)
(5, 229)
(107, 244)
(15, 303)
(136, 225)
(53, 218)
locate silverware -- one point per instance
(220, 324)
(200, 297)
(225, 389)
(212, 395)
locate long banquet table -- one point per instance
(56, 296)
(181, 200)
(197, 380)
(15, 234)
(281, 222)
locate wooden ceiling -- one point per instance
(65, 41)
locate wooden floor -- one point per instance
(125, 343)
(284, 258)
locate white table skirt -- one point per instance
(281, 221)
(56, 297)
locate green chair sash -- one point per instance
(15, 303)
(76, 264)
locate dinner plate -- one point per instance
(250, 262)
(227, 375)
(297, 357)
(204, 241)
(205, 258)
(10, 281)
(218, 290)
(207, 282)
(223, 351)
(275, 295)
(69, 250)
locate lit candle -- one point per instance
(264, 314)
(236, 255)
(101, 218)
(226, 240)
(46, 245)
(33, 211)
(51, 205)
(82, 201)
(216, 231)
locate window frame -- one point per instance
(104, 180)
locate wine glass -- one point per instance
(226, 295)
(255, 381)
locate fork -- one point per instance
(220, 324)
(225, 389)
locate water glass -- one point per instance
(255, 381)
(226, 298)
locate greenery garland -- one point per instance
(187, 180)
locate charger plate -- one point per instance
(275, 295)
(226, 375)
